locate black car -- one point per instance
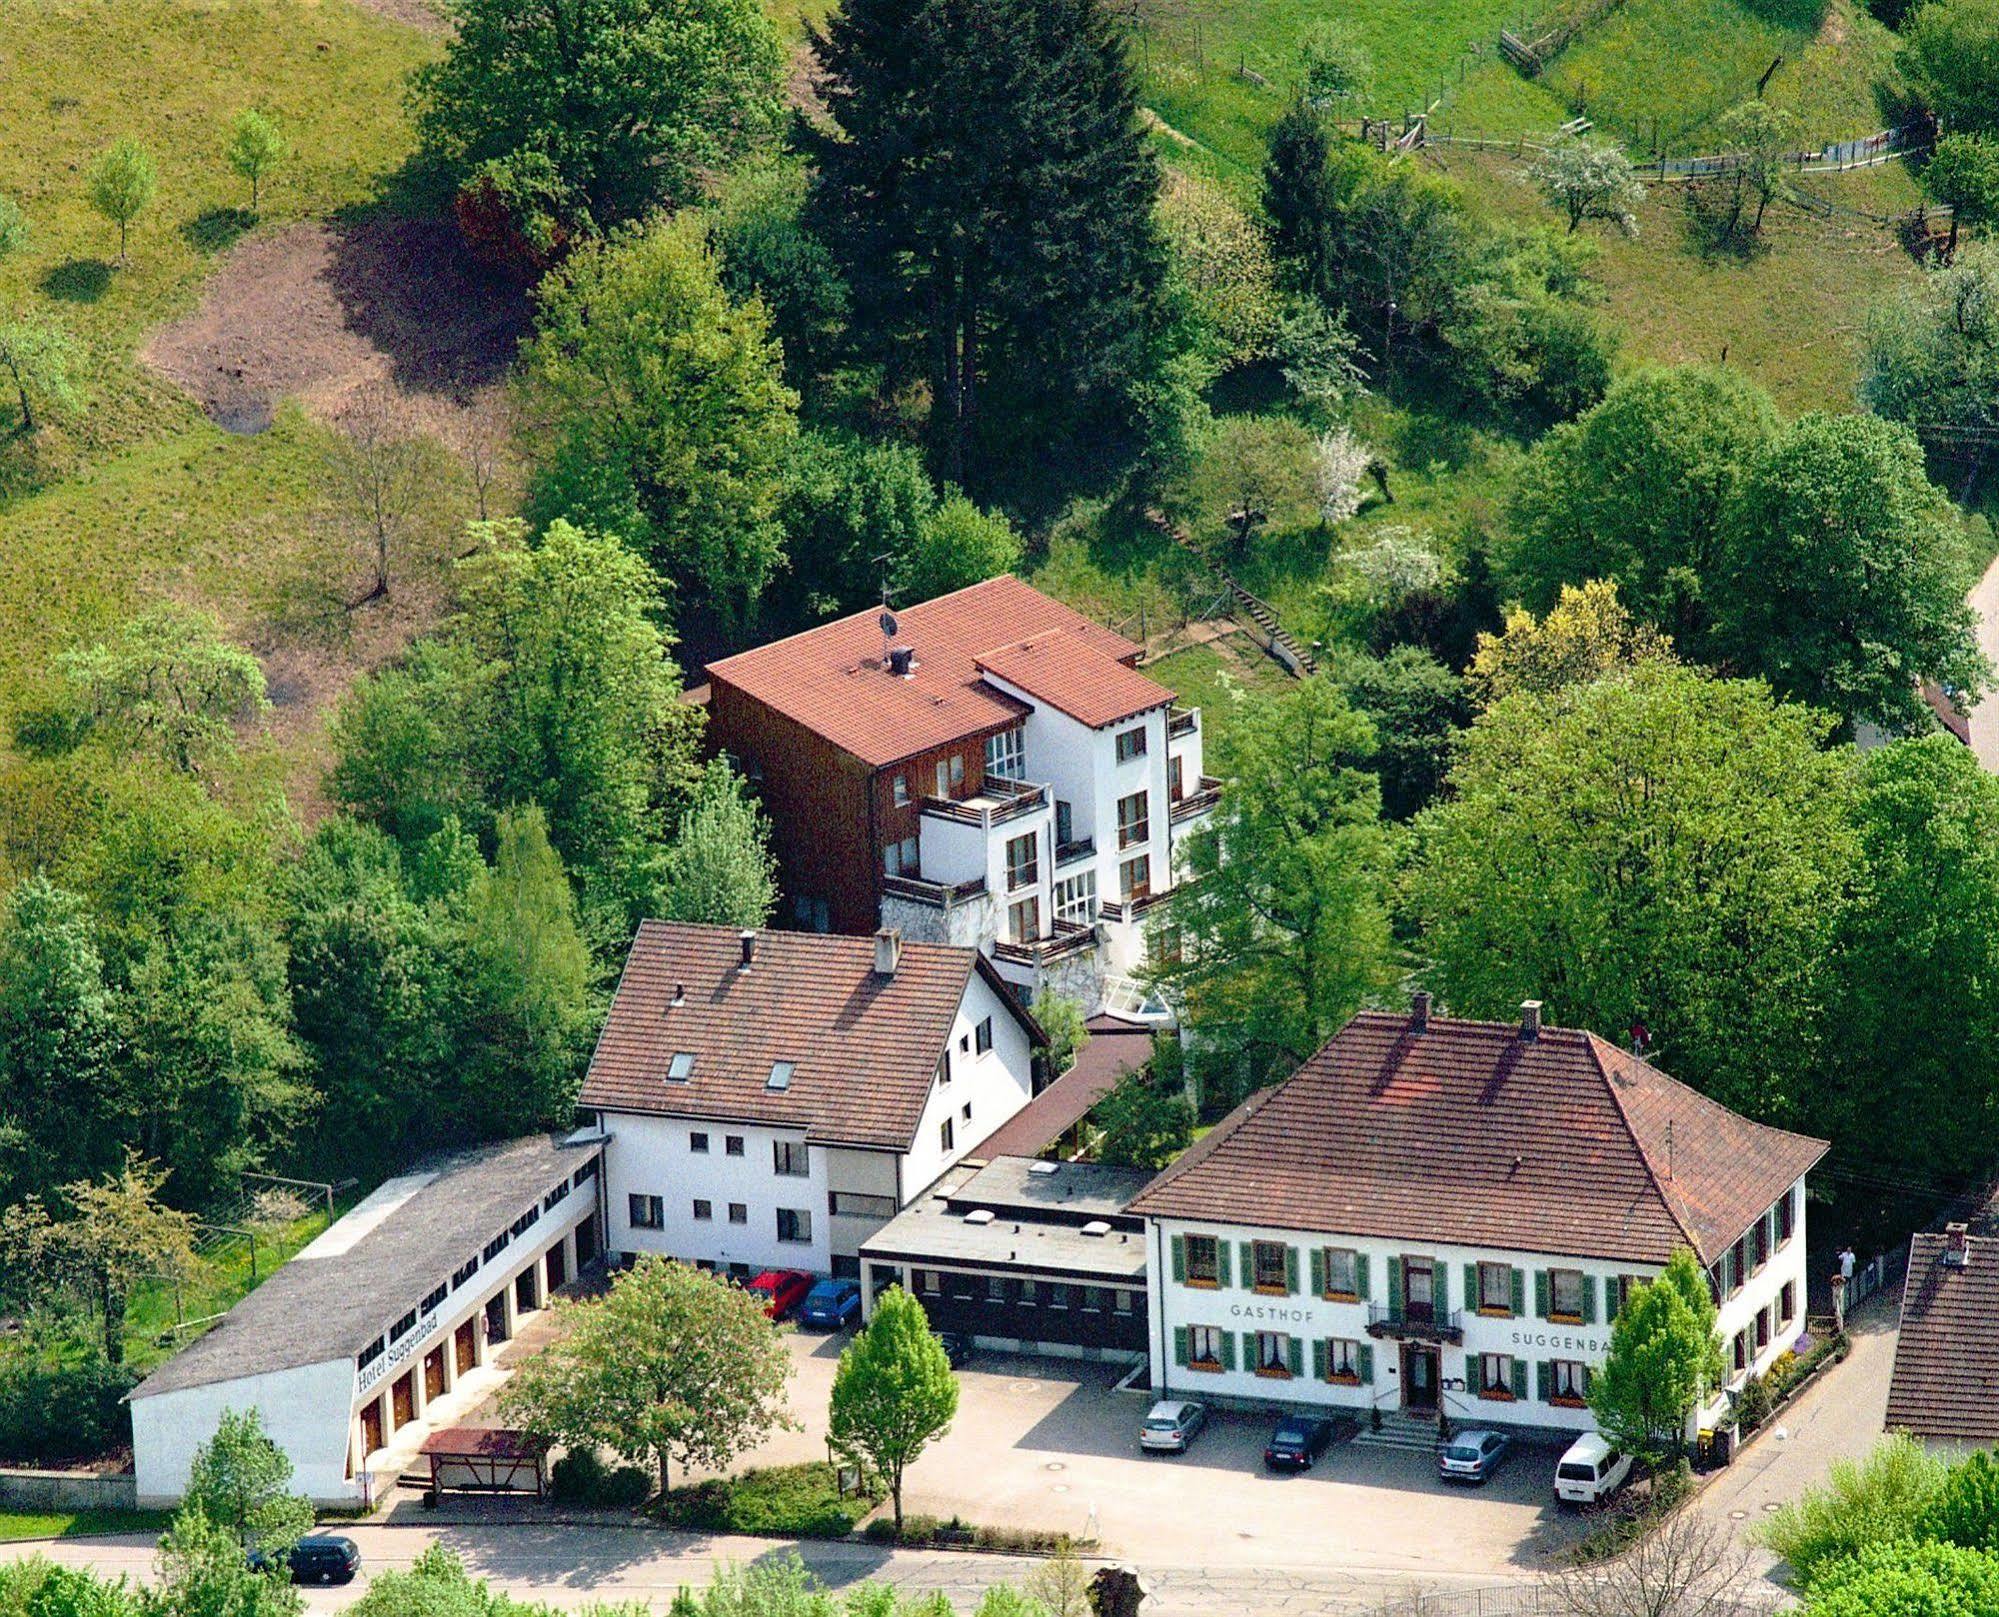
(957, 1348)
(318, 1558)
(1298, 1440)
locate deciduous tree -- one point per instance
(959, 545)
(1664, 1363)
(1950, 57)
(122, 184)
(169, 684)
(894, 1392)
(1963, 174)
(1931, 356)
(1586, 634)
(241, 1481)
(37, 354)
(256, 146)
(1590, 179)
(671, 1366)
(1144, 1122)
(719, 869)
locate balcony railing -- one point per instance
(1416, 1322)
(1068, 938)
(942, 894)
(1067, 853)
(1130, 909)
(999, 801)
(1182, 721)
(1191, 805)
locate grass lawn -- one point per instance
(19, 1525)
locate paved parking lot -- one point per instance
(1047, 1443)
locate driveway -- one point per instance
(1985, 716)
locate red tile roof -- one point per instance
(1469, 1134)
(1115, 1048)
(1071, 675)
(835, 680)
(864, 1048)
(1945, 1384)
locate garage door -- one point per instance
(466, 1345)
(402, 1400)
(433, 1374)
(371, 1427)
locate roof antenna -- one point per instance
(1669, 1150)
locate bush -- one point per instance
(580, 1477)
(1753, 1404)
(50, 1415)
(923, 1530)
(1965, 1510)
(1862, 1503)
(784, 1501)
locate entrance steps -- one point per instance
(1399, 1431)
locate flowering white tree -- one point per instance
(1590, 179)
(1339, 462)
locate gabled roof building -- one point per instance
(1438, 1215)
(1945, 1386)
(989, 768)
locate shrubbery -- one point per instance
(786, 1501)
(580, 1477)
(1863, 1503)
(48, 1415)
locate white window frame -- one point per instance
(1076, 899)
(1006, 755)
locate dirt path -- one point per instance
(1985, 716)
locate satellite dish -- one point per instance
(888, 624)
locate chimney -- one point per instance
(888, 951)
(749, 943)
(902, 662)
(1530, 1019)
(679, 997)
(1957, 1245)
(1419, 1011)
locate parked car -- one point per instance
(831, 1305)
(1590, 1470)
(1170, 1425)
(957, 1348)
(318, 1558)
(1471, 1456)
(1297, 1442)
(782, 1290)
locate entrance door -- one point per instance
(371, 1427)
(465, 1346)
(1419, 1378)
(402, 1400)
(557, 1270)
(496, 1319)
(433, 1373)
(1419, 1281)
(586, 1240)
(524, 1291)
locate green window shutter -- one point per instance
(1363, 1363)
(1360, 1274)
(1180, 1258)
(1440, 1289)
(1544, 1380)
(1471, 1288)
(1589, 1380)
(1589, 1299)
(1297, 1356)
(1320, 1358)
(1228, 1349)
(1395, 1287)
(1519, 1378)
(1246, 1257)
(1472, 1383)
(1519, 1294)
(1540, 1293)
(1222, 1251)
(1180, 1346)
(1318, 1271)
(1291, 1270)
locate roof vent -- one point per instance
(1096, 1226)
(1530, 1019)
(1957, 1245)
(979, 1215)
(748, 940)
(902, 662)
(1043, 1168)
(888, 951)
(1419, 1011)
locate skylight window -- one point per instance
(681, 1067)
(780, 1075)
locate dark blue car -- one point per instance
(831, 1304)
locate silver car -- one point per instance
(1170, 1425)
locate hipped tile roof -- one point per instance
(1945, 1384)
(1467, 1133)
(835, 680)
(864, 1047)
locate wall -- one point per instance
(650, 1156)
(306, 1411)
(962, 1299)
(67, 1490)
(1759, 1289)
(995, 1085)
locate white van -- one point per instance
(1590, 1471)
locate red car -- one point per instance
(784, 1290)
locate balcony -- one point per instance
(1068, 939)
(1182, 721)
(1192, 805)
(999, 801)
(942, 895)
(1069, 853)
(1417, 1322)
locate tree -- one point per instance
(1963, 174)
(1964, 1510)
(991, 202)
(1281, 922)
(767, 252)
(1635, 492)
(1658, 847)
(893, 1393)
(958, 546)
(1908, 1580)
(256, 146)
(169, 684)
(241, 1481)
(1762, 141)
(122, 183)
(1223, 260)
(663, 410)
(382, 471)
(1843, 573)
(201, 1572)
(1664, 1361)
(1586, 634)
(1253, 473)
(13, 228)
(719, 868)
(1416, 705)
(1950, 58)
(1335, 68)
(1590, 179)
(38, 355)
(629, 102)
(671, 1365)
(1144, 1122)
(1067, 1025)
(1683, 1566)
(1871, 1502)
(853, 513)
(1931, 356)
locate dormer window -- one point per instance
(680, 1068)
(780, 1075)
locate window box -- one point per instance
(1202, 1285)
(1344, 1378)
(1207, 1366)
(1561, 1319)
(1495, 1313)
(1341, 1296)
(1497, 1395)
(1569, 1403)
(1271, 1372)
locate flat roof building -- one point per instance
(386, 1324)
